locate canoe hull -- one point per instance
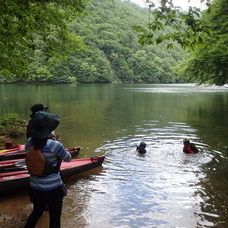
(19, 164)
(21, 154)
(20, 180)
(15, 149)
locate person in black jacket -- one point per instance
(35, 108)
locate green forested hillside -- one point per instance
(110, 54)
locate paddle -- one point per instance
(10, 167)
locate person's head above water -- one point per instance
(38, 107)
(142, 145)
(141, 148)
(186, 141)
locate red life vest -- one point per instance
(35, 162)
(39, 166)
(188, 149)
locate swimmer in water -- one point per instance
(141, 148)
(189, 148)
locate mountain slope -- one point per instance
(111, 53)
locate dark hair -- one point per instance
(141, 148)
(38, 144)
(38, 107)
(142, 145)
(186, 141)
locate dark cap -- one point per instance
(43, 123)
(38, 107)
(186, 140)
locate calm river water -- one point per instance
(164, 188)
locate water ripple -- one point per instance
(159, 189)
(184, 89)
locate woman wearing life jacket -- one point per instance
(189, 148)
(43, 160)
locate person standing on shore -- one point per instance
(43, 161)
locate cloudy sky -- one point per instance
(182, 3)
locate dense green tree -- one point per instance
(27, 25)
(203, 34)
(209, 61)
(169, 23)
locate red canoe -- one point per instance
(14, 149)
(18, 164)
(15, 181)
(17, 154)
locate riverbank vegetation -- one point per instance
(11, 125)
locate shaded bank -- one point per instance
(11, 126)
